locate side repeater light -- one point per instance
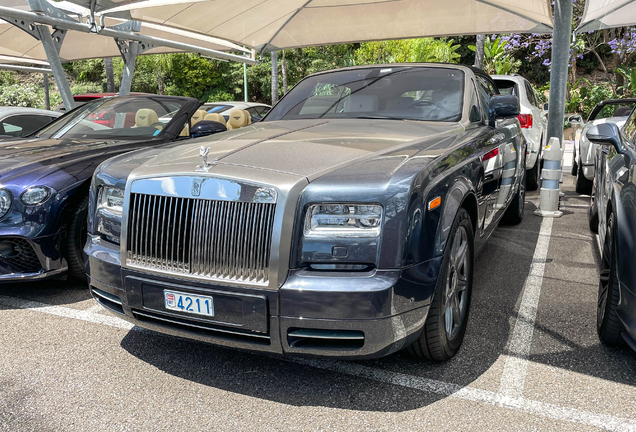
(434, 203)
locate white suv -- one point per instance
(532, 120)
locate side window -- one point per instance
(484, 98)
(490, 88)
(252, 112)
(530, 92)
(22, 125)
(629, 130)
(474, 114)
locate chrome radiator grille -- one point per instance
(228, 240)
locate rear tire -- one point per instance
(76, 239)
(592, 214)
(532, 176)
(575, 166)
(514, 212)
(583, 185)
(608, 326)
(445, 325)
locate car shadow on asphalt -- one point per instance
(500, 272)
(55, 292)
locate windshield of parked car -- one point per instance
(138, 117)
(395, 93)
(217, 108)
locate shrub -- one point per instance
(22, 95)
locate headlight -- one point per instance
(112, 199)
(35, 195)
(343, 220)
(110, 203)
(5, 202)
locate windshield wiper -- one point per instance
(378, 118)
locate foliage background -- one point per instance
(603, 65)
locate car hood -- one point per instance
(38, 157)
(306, 148)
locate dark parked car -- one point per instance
(46, 178)
(17, 122)
(613, 216)
(343, 224)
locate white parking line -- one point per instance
(542, 409)
(513, 378)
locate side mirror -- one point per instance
(502, 107)
(575, 119)
(605, 134)
(205, 128)
(545, 106)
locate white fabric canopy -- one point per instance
(602, 14)
(268, 25)
(16, 43)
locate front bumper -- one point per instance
(25, 259)
(342, 315)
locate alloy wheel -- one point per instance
(455, 294)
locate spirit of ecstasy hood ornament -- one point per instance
(205, 167)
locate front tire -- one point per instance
(445, 325)
(608, 326)
(583, 185)
(76, 239)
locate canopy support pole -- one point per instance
(245, 81)
(52, 44)
(559, 69)
(47, 96)
(129, 52)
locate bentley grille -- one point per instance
(228, 240)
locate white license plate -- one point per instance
(189, 303)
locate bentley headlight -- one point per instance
(5, 202)
(35, 195)
(343, 220)
(110, 204)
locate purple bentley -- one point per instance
(45, 177)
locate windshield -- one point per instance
(115, 118)
(618, 109)
(396, 93)
(217, 108)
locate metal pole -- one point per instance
(129, 54)
(479, 51)
(47, 99)
(26, 68)
(59, 23)
(245, 81)
(559, 70)
(274, 77)
(56, 66)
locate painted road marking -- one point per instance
(513, 378)
(542, 409)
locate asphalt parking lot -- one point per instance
(531, 359)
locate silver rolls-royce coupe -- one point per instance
(344, 224)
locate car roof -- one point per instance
(423, 65)
(6, 110)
